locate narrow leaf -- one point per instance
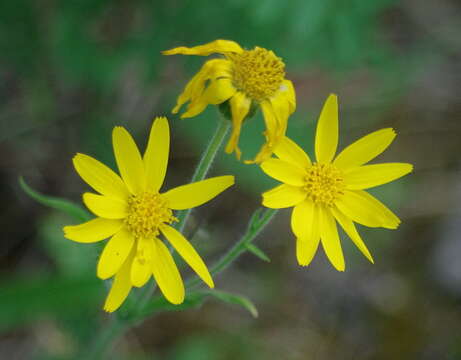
(235, 299)
(66, 206)
(257, 252)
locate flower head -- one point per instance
(331, 189)
(244, 80)
(131, 211)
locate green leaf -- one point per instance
(257, 252)
(74, 210)
(235, 300)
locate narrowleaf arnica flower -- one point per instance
(332, 190)
(244, 80)
(134, 214)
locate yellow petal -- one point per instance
(280, 107)
(121, 286)
(305, 250)
(195, 108)
(100, 177)
(305, 225)
(283, 196)
(211, 70)
(272, 129)
(305, 221)
(368, 176)
(218, 91)
(188, 253)
(365, 149)
(240, 105)
(129, 160)
(115, 253)
(195, 194)
(365, 209)
(330, 239)
(156, 155)
(217, 46)
(105, 206)
(166, 273)
(92, 231)
(284, 172)
(287, 150)
(352, 232)
(288, 90)
(326, 136)
(141, 270)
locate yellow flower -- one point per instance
(245, 79)
(133, 212)
(332, 189)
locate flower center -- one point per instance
(146, 212)
(324, 184)
(258, 72)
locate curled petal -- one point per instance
(217, 46)
(240, 106)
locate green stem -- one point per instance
(256, 224)
(105, 340)
(204, 165)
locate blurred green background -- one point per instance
(71, 70)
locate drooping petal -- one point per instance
(92, 231)
(365, 149)
(115, 253)
(330, 239)
(212, 69)
(352, 232)
(195, 108)
(272, 129)
(326, 136)
(365, 209)
(121, 286)
(188, 253)
(288, 90)
(283, 196)
(195, 194)
(100, 177)
(105, 206)
(218, 91)
(287, 150)
(305, 225)
(156, 155)
(128, 160)
(281, 109)
(368, 176)
(166, 273)
(284, 172)
(141, 270)
(217, 46)
(240, 105)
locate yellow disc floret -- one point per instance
(324, 184)
(258, 72)
(146, 212)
